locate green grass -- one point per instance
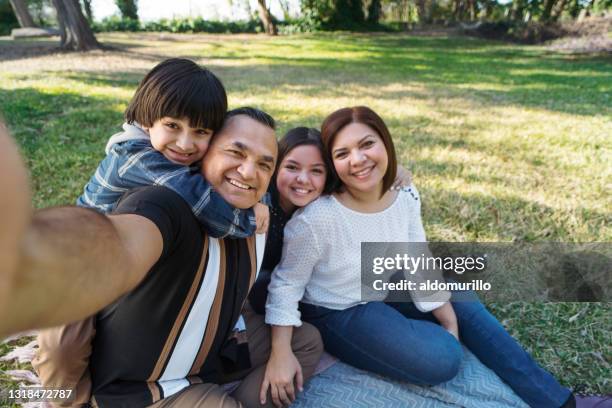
(505, 142)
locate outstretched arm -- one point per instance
(62, 264)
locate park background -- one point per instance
(506, 141)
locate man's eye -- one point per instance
(204, 132)
(172, 125)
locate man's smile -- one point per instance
(238, 184)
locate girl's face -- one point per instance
(301, 177)
(360, 158)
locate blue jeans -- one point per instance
(398, 341)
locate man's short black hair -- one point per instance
(253, 113)
(179, 88)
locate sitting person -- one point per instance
(169, 124)
(412, 342)
(170, 294)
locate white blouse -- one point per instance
(321, 259)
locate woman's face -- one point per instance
(301, 177)
(360, 158)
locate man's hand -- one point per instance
(15, 212)
(262, 218)
(281, 369)
(447, 318)
(403, 178)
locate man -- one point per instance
(170, 296)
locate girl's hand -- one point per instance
(281, 370)
(447, 318)
(402, 179)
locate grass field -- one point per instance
(506, 142)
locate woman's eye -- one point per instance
(317, 171)
(290, 167)
(172, 125)
(368, 143)
(340, 156)
(203, 132)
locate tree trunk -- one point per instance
(518, 7)
(266, 18)
(127, 8)
(558, 10)
(87, 9)
(284, 4)
(472, 9)
(548, 6)
(458, 10)
(422, 10)
(75, 31)
(21, 12)
(374, 12)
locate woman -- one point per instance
(320, 266)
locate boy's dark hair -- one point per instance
(179, 88)
(253, 113)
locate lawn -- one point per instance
(506, 142)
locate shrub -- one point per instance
(115, 23)
(179, 25)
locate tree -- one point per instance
(284, 4)
(266, 18)
(128, 8)
(75, 31)
(374, 12)
(87, 9)
(21, 12)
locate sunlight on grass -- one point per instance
(505, 142)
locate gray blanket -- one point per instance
(343, 386)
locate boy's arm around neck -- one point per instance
(219, 218)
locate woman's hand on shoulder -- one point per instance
(402, 179)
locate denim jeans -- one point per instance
(398, 341)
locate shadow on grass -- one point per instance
(62, 137)
(503, 217)
(483, 71)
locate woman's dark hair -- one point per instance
(179, 88)
(303, 136)
(335, 122)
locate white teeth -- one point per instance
(363, 172)
(300, 190)
(239, 184)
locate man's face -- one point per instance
(240, 161)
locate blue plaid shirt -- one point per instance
(136, 163)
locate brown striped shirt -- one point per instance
(173, 329)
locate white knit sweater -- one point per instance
(321, 260)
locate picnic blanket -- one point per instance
(338, 385)
(344, 386)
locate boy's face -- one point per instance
(241, 160)
(177, 141)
